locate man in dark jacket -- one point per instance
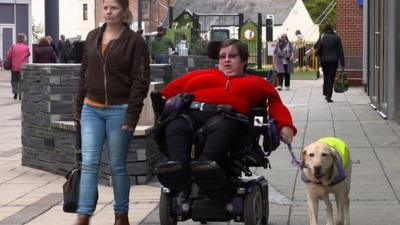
(330, 51)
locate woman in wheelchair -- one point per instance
(210, 115)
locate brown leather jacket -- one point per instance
(121, 76)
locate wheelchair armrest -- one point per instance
(158, 103)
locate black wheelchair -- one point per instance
(224, 191)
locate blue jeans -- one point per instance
(98, 125)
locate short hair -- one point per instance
(21, 37)
(242, 49)
(328, 27)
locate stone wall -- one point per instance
(48, 92)
(183, 64)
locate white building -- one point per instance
(76, 17)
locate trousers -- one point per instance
(179, 137)
(15, 82)
(329, 69)
(99, 125)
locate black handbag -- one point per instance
(71, 185)
(341, 85)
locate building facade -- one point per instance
(382, 56)
(15, 17)
(77, 17)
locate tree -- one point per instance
(37, 31)
(317, 7)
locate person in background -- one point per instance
(64, 49)
(43, 52)
(283, 61)
(52, 44)
(330, 51)
(19, 54)
(227, 87)
(114, 80)
(160, 46)
(300, 48)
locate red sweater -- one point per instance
(241, 92)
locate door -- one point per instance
(7, 38)
(377, 84)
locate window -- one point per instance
(85, 15)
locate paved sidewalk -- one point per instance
(33, 197)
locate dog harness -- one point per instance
(342, 158)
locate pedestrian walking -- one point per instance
(18, 54)
(283, 61)
(300, 48)
(43, 52)
(330, 51)
(115, 78)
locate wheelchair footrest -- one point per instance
(173, 175)
(206, 210)
(208, 175)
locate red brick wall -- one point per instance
(349, 26)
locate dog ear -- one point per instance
(333, 154)
(303, 154)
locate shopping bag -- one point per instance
(341, 85)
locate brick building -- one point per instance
(153, 12)
(349, 25)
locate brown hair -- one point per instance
(44, 41)
(240, 47)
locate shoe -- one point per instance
(121, 219)
(82, 220)
(287, 88)
(15, 96)
(328, 99)
(279, 88)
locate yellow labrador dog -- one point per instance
(326, 168)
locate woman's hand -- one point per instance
(287, 134)
(128, 128)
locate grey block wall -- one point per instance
(48, 93)
(183, 64)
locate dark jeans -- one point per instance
(15, 84)
(285, 75)
(179, 137)
(64, 58)
(329, 69)
(161, 58)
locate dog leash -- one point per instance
(295, 161)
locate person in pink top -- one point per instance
(19, 54)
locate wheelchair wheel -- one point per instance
(165, 210)
(253, 207)
(265, 216)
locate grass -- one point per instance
(304, 75)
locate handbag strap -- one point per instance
(78, 143)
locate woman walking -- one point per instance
(115, 77)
